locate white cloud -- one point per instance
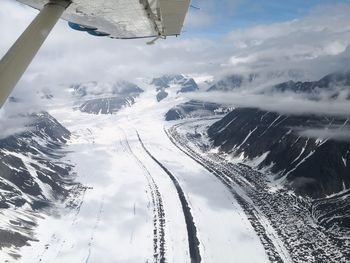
(317, 44)
(284, 103)
(199, 19)
(12, 126)
(337, 134)
(12, 120)
(323, 36)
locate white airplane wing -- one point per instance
(124, 19)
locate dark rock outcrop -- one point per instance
(312, 166)
(32, 176)
(232, 82)
(194, 108)
(183, 84)
(161, 95)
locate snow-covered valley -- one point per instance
(132, 210)
(150, 191)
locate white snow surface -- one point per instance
(115, 220)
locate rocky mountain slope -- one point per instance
(308, 154)
(231, 82)
(195, 108)
(181, 83)
(316, 168)
(336, 84)
(311, 152)
(312, 166)
(33, 178)
(331, 87)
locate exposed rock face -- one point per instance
(228, 83)
(188, 85)
(32, 177)
(312, 152)
(161, 95)
(180, 82)
(332, 86)
(313, 166)
(107, 105)
(194, 108)
(308, 154)
(185, 84)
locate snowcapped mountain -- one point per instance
(307, 155)
(294, 147)
(235, 81)
(104, 98)
(161, 95)
(33, 178)
(181, 83)
(231, 82)
(312, 166)
(333, 86)
(309, 165)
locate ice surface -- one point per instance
(115, 219)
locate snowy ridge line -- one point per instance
(275, 250)
(159, 244)
(190, 225)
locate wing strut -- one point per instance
(17, 59)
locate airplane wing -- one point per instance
(124, 19)
(121, 19)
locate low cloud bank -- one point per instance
(12, 124)
(307, 48)
(314, 45)
(328, 133)
(284, 103)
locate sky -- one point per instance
(309, 38)
(235, 35)
(214, 20)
